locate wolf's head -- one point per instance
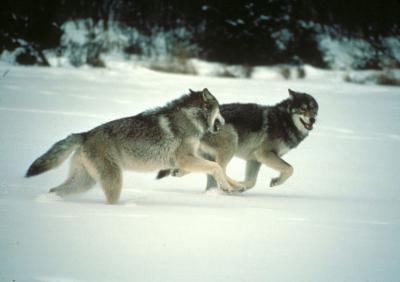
(304, 109)
(209, 109)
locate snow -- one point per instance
(10, 56)
(282, 38)
(336, 219)
(345, 53)
(82, 38)
(393, 44)
(75, 31)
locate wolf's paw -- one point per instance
(53, 191)
(248, 184)
(233, 191)
(178, 173)
(237, 187)
(275, 182)
(227, 189)
(241, 188)
(56, 192)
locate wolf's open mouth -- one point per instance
(216, 126)
(308, 126)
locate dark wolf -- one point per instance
(260, 135)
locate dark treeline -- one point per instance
(246, 32)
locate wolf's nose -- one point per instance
(312, 120)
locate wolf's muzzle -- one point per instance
(308, 123)
(216, 124)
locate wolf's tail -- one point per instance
(56, 155)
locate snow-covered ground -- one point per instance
(336, 219)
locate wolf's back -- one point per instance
(56, 155)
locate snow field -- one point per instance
(336, 219)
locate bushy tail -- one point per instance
(163, 173)
(56, 155)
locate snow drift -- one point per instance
(336, 219)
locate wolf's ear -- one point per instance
(206, 95)
(292, 93)
(191, 91)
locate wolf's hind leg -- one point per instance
(110, 176)
(79, 180)
(105, 171)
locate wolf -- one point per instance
(164, 138)
(259, 135)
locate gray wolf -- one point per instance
(160, 139)
(260, 135)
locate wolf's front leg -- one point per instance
(271, 160)
(252, 169)
(238, 185)
(196, 164)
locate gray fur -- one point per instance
(160, 139)
(55, 156)
(260, 135)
